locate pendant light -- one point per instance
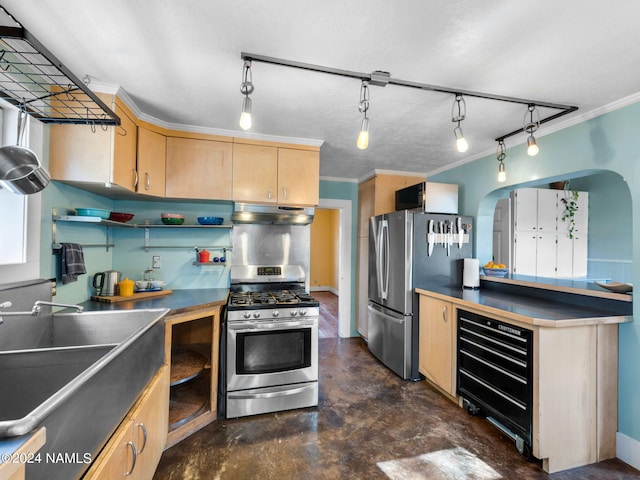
(246, 88)
(363, 137)
(461, 142)
(501, 154)
(531, 124)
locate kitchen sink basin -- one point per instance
(74, 329)
(78, 380)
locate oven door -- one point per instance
(264, 353)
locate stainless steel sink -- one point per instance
(75, 329)
(78, 380)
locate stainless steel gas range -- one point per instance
(271, 330)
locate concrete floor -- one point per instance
(369, 424)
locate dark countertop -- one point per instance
(533, 310)
(179, 301)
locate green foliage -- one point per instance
(570, 202)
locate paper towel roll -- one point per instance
(471, 273)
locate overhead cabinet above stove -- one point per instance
(276, 175)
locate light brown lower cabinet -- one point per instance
(135, 448)
(438, 343)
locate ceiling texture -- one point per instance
(179, 62)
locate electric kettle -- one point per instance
(106, 283)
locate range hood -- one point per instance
(35, 81)
(271, 214)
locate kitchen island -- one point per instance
(573, 359)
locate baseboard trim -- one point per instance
(320, 288)
(628, 450)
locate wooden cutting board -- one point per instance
(135, 296)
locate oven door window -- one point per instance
(269, 352)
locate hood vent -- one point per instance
(35, 81)
(272, 214)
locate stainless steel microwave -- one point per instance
(428, 197)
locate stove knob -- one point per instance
(303, 313)
(256, 314)
(294, 313)
(247, 315)
(275, 313)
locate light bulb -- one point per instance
(363, 138)
(502, 175)
(461, 142)
(245, 117)
(532, 148)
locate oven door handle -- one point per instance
(292, 391)
(258, 326)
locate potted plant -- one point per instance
(570, 201)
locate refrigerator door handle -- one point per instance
(384, 256)
(378, 244)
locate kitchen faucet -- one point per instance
(37, 308)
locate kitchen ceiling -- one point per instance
(179, 62)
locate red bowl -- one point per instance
(120, 217)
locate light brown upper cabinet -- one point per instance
(80, 153)
(298, 177)
(255, 173)
(268, 174)
(198, 169)
(152, 153)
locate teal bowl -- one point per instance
(93, 212)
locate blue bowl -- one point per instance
(210, 220)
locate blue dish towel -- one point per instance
(71, 262)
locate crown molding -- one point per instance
(339, 179)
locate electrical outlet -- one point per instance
(156, 261)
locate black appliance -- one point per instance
(495, 374)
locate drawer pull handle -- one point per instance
(144, 436)
(135, 457)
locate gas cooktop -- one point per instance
(283, 298)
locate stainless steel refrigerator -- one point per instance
(409, 250)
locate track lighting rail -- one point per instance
(374, 79)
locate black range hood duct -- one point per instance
(35, 81)
(271, 214)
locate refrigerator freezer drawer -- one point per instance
(390, 339)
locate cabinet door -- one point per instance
(150, 426)
(546, 253)
(116, 459)
(124, 151)
(524, 253)
(298, 177)
(255, 173)
(436, 342)
(526, 209)
(152, 152)
(547, 210)
(564, 256)
(580, 255)
(582, 215)
(198, 169)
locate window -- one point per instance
(20, 214)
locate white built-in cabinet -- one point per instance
(541, 243)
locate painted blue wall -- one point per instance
(347, 191)
(609, 143)
(129, 255)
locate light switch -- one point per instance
(156, 261)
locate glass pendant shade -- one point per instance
(363, 138)
(245, 117)
(461, 142)
(532, 147)
(502, 175)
